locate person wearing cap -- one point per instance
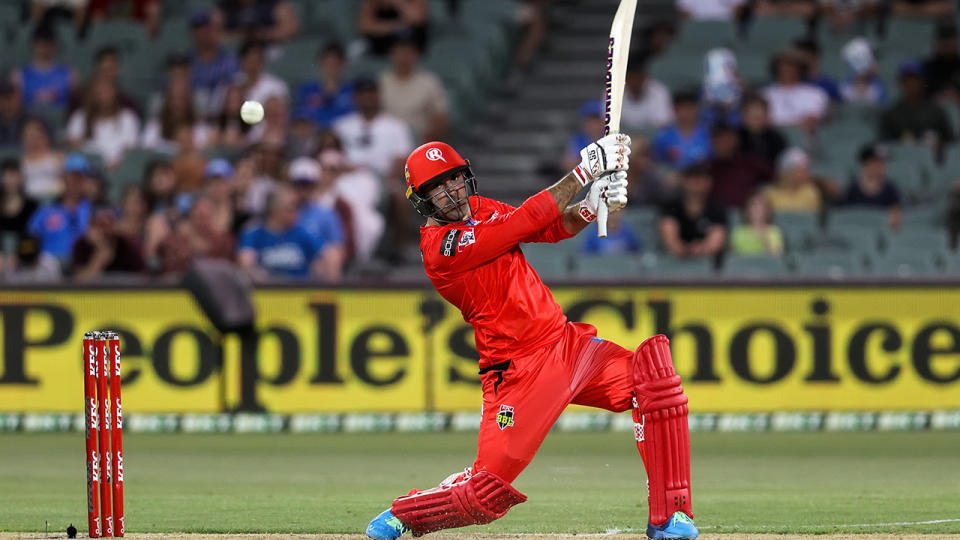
(58, 224)
(12, 116)
(212, 66)
(872, 187)
(331, 97)
(795, 190)
(278, 248)
(44, 82)
(372, 137)
(322, 212)
(533, 361)
(591, 129)
(219, 179)
(863, 86)
(687, 141)
(413, 94)
(794, 102)
(915, 117)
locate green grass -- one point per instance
(757, 482)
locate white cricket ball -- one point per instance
(251, 112)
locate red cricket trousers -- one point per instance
(523, 397)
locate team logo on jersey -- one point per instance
(448, 247)
(505, 417)
(434, 154)
(466, 239)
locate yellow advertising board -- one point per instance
(737, 349)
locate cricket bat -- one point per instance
(618, 51)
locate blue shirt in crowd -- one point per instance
(679, 150)
(876, 92)
(323, 107)
(619, 240)
(45, 87)
(322, 223)
(58, 227)
(282, 253)
(828, 85)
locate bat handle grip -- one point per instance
(602, 221)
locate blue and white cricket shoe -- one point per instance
(678, 526)
(387, 527)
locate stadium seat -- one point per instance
(753, 266)
(832, 263)
(700, 36)
(298, 62)
(130, 170)
(914, 239)
(550, 263)
(667, 266)
(797, 228)
(774, 34)
(840, 218)
(904, 265)
(608, 267)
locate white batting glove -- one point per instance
(611, 153)
(609, 190)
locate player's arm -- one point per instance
(609, 190)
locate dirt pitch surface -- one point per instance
(733, 536)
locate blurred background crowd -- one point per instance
(771, 137)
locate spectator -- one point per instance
(795, 189)
(531, 29)
(251, 185)
(942, 69)
(12, 117)
(810, 52)
(620, 238)
(736, 176)
(842, 14)
(372, 137)
(197, 236)
(107, 65)
(257, 84)
(15, 209)
(132, 222)
(278, 247)
(691, 226)
(270, 21)
(794, 102)
(42, 164)
(322, 212)
(228, 216)
(807, 9)
(103, 126)
(57, 225)
(189, 163)
(361, 190)
(864, 86)
(330, 97)
(147, 12)
(914, 117)
(303, 139)
(646, 101)
(758, 235)
(872, 186)
(230, 130)
(275, 125)
(177, 111)
(757, 137)
(687, 141)
(105, 249)
(382, 22)
(212, 66)
(413, 94)
(722, 88)
(923, 8)
(49, 12)
(591, 129)
(647, 185)
(160, 192)
(718, 10)
(44, 82)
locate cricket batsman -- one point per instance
(533, 361)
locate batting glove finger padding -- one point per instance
(610, 153)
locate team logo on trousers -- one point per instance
(505, 416)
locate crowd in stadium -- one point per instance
(732, 164)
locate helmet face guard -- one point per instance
(443, 201)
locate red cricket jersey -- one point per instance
(478, 267)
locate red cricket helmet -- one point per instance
(425, 167)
